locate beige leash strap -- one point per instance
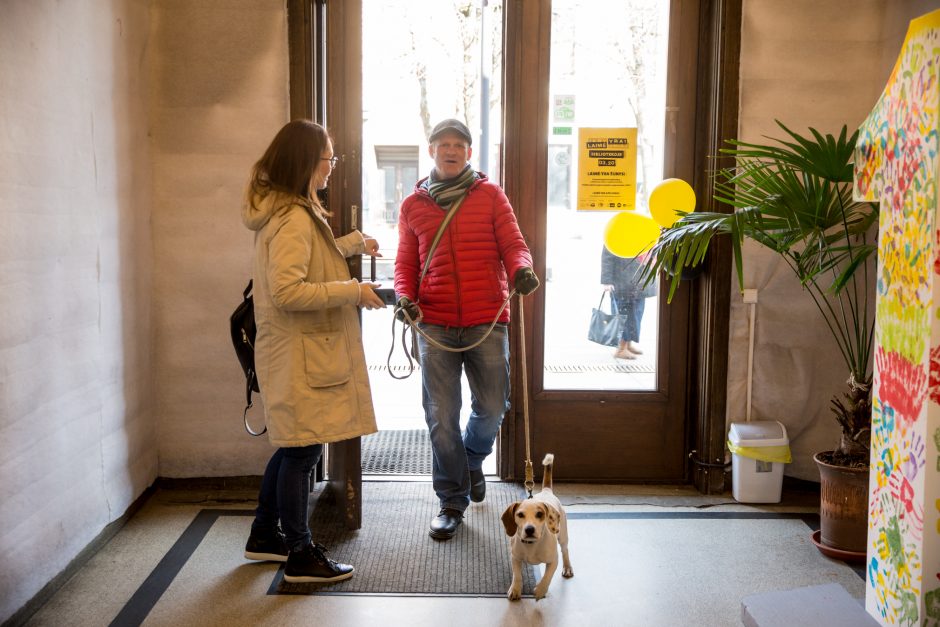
(529, 481)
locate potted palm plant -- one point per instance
(794, 197)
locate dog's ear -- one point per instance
(554, 517)
(509, 519)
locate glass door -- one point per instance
(527, 78)
(414, 75)
(579, 73)
(607, 70)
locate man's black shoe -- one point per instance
(477, 486)
(311, 565)
(444, 525)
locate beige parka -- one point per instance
(308, 351)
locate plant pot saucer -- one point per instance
(851, 557)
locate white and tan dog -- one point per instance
(537, 526)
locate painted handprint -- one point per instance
(914, 459)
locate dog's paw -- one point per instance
(514, 593)
(540, 592)
(567, 572)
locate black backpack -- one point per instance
(242, 322)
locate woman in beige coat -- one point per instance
(308, 350)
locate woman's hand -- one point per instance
(372, 246)
(368, 299)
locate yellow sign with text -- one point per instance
(606, 169)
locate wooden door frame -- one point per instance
(314, 56)
(719, 42)
(528, 24)
(715, 76)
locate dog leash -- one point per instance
(408, 323)
(529, 481)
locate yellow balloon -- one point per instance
(629, 233)
(670, 199)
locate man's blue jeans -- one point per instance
(487, 368)
(285, 490)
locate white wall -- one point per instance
(128, 128)
(219, 94)
(809, 64)
(75, 378)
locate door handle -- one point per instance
(387, 294)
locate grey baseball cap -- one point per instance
(451, 125)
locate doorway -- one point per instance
(624, 425)
(412, 77)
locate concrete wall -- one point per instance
(808, 64)
(129, 128)
(219, 94)
(76, 421)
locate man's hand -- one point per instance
(525, 281)
(405, 304)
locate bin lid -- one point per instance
(758, 433)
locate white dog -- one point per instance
(537, 526)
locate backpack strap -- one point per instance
(251, 380)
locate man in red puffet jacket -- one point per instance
(459, 297)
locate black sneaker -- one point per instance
(444, 525)
(477, 486)
(311, 565)
(269, 547)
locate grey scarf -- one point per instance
(446, 191)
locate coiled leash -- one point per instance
(412, 324)
(411, 353)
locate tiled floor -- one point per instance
(642, 555)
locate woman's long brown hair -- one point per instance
(289, 162)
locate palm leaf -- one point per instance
(793, 197)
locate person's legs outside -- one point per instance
(266, 542)
(487, 369)
(622, 351)
(639, 305)
(441, 398)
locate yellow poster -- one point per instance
(606, 169)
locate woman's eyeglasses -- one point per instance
(332, 160)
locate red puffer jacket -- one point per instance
(466, 282)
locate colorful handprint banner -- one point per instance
(896, 164)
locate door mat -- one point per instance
(393, 553)
(400, 452)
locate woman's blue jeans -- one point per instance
(487, 368)
(285, 491)
(633, 310)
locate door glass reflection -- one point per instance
(608, 70)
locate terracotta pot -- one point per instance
(843, 506)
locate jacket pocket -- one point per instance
(326, 359)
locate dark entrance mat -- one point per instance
(400, 452)
(393, 553)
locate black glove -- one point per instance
(525, 281)
(405, 304)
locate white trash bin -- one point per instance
(759, 449)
